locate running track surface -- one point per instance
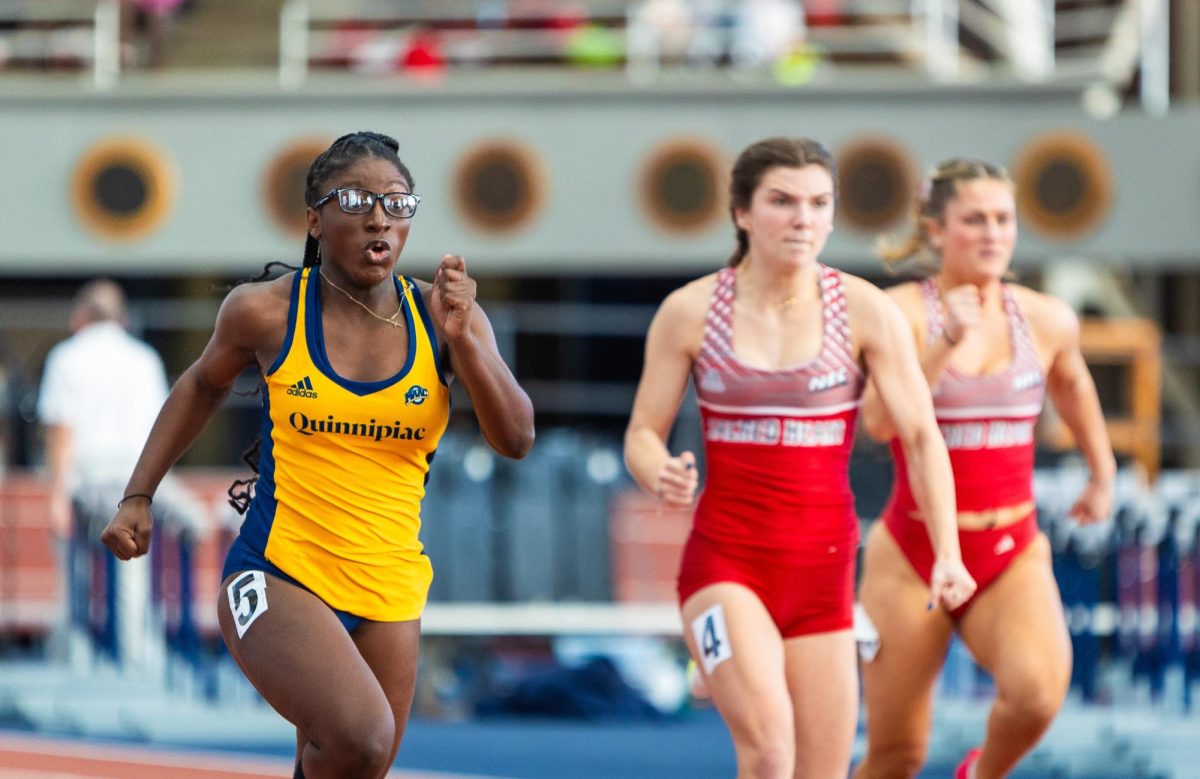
(32, 757)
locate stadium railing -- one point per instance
(586, 554)
(1100, 44)
(55, 34)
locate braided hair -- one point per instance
(341, 154)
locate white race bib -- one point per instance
(712, 638)
(247, 599)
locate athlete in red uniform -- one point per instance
(779, 347)
(990, 350)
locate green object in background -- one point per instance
(798, 66)
(595, 46)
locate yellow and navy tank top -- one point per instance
(343, 465)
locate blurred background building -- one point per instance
(576, 154)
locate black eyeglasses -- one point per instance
(352, 200)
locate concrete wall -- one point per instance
(591, 142)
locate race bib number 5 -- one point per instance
(247, 599)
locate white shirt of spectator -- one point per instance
(107, 387)
(662, 28)
(765, 30)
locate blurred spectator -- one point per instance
(344, 42)
(547, 14)
(825, 12)
(424, 55)
(660, 31)
(712, 25)
(376, 52)
(765, 31)
(153, 19)
(100, 394)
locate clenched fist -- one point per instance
(453, 297)
(964, 311)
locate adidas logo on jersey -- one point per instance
(828, 380)
(302, 389)
(1005, 544)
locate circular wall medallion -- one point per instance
(123, 188)
(499, 186)
(1064, 185)
(876, 182)
(283, 184)
(680, 186)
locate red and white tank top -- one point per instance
(987, 420)
(777, 442)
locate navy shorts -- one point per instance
(242, 558)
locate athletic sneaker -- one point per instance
(964, 768)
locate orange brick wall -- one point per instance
(30, 597)
(647, 545)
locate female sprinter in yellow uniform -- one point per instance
(324, 586)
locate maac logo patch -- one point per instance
(416, 395)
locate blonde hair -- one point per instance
(936, 191)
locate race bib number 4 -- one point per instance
(712, 638)
(247, 599)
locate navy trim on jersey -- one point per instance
(316, 344)
(419, 300)
(261, 514)
(293, 307)
(242, 557)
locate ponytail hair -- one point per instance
(936, 192)
(754, 162)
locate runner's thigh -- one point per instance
(391, 649)
(300, 658)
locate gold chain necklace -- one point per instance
(784, 304)
(393, 320)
